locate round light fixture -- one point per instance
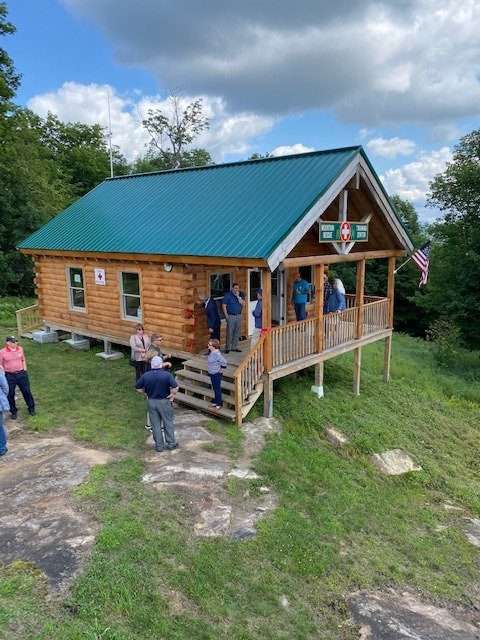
(167, 267)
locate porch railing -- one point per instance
(248, 375)
(340, 327)
(293, 341)
(375, 316)
(28, 319)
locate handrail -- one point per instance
(248, 374)
(293, 341)
(28, 318)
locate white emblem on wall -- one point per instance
(100, 276)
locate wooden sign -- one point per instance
(343, 231)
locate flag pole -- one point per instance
(402, 265)
(110, 135)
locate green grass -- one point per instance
(8, 306)
(340, 526)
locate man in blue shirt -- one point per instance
(160, 388)
(301, 289)
(232, 305)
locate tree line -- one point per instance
(46, 164)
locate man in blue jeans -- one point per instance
(160, 388)
(232, 305)
(301, 289)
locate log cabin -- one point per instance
(151, 247)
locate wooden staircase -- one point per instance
(242, 383)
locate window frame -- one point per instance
(123, 295)
(70, 288)
(218, 300)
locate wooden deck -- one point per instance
(294, 346)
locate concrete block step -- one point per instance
(204, 405)
(202, 377)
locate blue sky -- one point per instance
(398, 77)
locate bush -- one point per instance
(445, 336)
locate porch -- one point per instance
(289, 348)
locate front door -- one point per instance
(254, 283)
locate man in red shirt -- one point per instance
(12, 359)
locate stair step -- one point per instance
(205, 391)
(204, 405)
(202, 377)
(202, 366)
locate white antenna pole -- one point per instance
(110, 135)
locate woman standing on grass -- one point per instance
(139, 345)
(216, 362)
(4, 406)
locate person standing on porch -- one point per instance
(232, 305)
(327, 292)
(160, 388)
(301, 289)
(216, 362)
(336, 301)
(257, 314)
(213, 318)
(12, 361)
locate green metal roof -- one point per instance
(241, 209)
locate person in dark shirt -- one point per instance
(232, 305)
(213, 318)
(327, 292)
(160, 388)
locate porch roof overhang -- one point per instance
(290, 263)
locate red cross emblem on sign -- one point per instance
(345, 231)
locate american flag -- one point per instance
(421, 257)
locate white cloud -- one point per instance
(287, 149)
(371, 61)
(391, 147)
(229, 133)
(411, 181)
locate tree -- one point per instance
(453, 289)
(32, 190)
(152, 162)
(81, 152)
(174, 128)
(9, 78)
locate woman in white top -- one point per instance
(139, 345)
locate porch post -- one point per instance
(359, 295)
(317, 388)
(267, 345)
(387, 356)
(357, 354)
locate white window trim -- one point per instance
(122, 296)
(71, 306)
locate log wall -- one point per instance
(166, 300)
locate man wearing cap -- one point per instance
(12, 359)
(160, 388)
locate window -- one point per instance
(255, 284)
(130, 292)
(76, 288)
(306, 273)
(220, 283)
